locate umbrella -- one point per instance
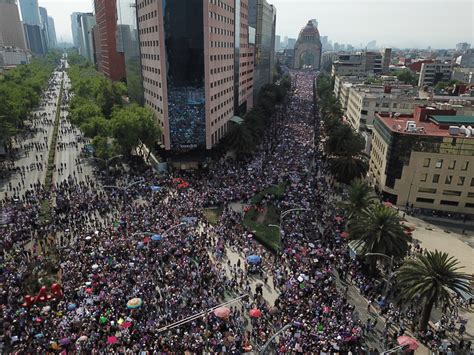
(255, 313)
(146, 240)
(112, 340)
(95, 266)
(126, 324)
(88, 238)
(55, 345)
(64, 341)
(89, 290)
(134, 303)
(71, 306)
(407, 341)
(254, 259)
(222, 312)
(39, 335)
(155, 188)
(82, 338)
(103, 319)
(156, 237)
(344, 234)
(339, 219)
(46, 309)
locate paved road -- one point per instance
(30, 151)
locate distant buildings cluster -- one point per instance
(33, 34)
(419, 134)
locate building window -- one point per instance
(426, 162)
(424, 176)
(424, 200)
(461, 180)
(472, 181)
(439, 163)
(465, 165)
(469, 205)
(448, 180)
(451, 193)
(436, 178)
(449, 203)
(427, 190)
(452, 165)
(470, 194)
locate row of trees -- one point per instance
(245, 137)
(344, 146)
(98, 109)
(432, 278)
(20, 93)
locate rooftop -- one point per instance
(430, 127)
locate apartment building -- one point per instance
(432, 73)
(362, 63)
(424, 159)
(197, 67)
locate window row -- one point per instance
(448, 180)
(443, 202)
(221, 31)
(222, 69)
(222, 4)
(438, 163)
(222, 81)
(148, 16)
(222, 104)
(221, 18)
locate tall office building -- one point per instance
(262, 17)
(128, 44)
(110, 62)
(197, 65)
(30, 12)
(86, 23)
(76, 34)
(52, 33)
(11, 30)
(35, 39)
(44, 26)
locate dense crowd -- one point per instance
(115, 245)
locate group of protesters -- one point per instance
(150, 241)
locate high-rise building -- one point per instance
(52, 33)
(277, 43)
(308, 48)
(462, 47)
(30, 12)
(44, 26)
(110, 62)
(35, 39)
(262, 17)
(76, 34)
(11, 30)
(128, 44)
(86, 23)
(197, 65)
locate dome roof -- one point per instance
(309, 33)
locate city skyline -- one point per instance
(335, 17)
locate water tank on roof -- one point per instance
(409, 123)
(411, 127)
(453, 130)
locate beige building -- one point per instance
(431, 73)
(365, 101)
(197, 66)
(425, 159)
(11, 30)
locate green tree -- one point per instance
(360, 197)
(96, 126)
(105, 147)
(406, 76)
(240, 140)
(344, 141)
(377, 229)
(433, 277)
(346, 168)
(81, 113)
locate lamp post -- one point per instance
(283, 214)
(288, 326)
(107, 162)
(390, 271)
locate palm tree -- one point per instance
(359, 198)
(433, 277)
(240, 140)
(377, 229)
(346, 168)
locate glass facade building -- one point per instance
(184, 41)
(128, 44)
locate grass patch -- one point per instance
(213, 214)
(268, 236)
(275, 190)
(44, 212)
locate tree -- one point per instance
(346, 168)
(435, 279)
(359, 198)
(406, 76)
(104, 147)
(82, 112)
(240, 140)
(96, 126)
(377, 229)
(344, 141)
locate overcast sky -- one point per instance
(401, 23)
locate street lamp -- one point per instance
(289, 325)
(283, 214)
(107, 162)
(390, 271)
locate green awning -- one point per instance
(237, 119)
(454, 120)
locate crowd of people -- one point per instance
(115, 245)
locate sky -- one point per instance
(401, 23)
